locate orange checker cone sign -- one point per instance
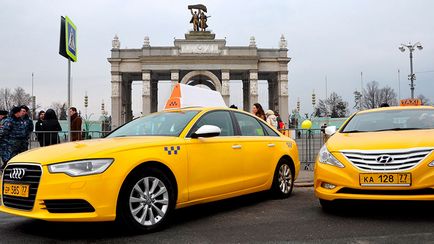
(184, 96)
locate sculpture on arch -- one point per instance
(198, 18)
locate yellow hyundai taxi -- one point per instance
(378, 154)
(145, 169)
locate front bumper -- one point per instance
(100, 191)
(347, 185)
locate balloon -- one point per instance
(307, 124)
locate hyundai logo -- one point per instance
(384, 159)
(17, 173)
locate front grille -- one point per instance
(386, 160)
(426, 191)
(32, 175)
(68, 206)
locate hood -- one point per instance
(98, 148)
(381, 140)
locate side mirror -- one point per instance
(330, 130)
(206, 131)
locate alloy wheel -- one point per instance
(149, 201)
(285, 178)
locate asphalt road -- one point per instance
(253, 218)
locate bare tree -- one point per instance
(357, 100)
(20, 97)
(17, 97)
(333, 106)
(60, 109)
(374, 96)
(6, 102)
(321, 109)
(57, 107)
(388, 95)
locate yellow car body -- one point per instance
(388, 164)
(199, 169)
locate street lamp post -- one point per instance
(411, 48)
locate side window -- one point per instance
(249, 126)
(269, 131)
(221, 119)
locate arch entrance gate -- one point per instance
(197, 59)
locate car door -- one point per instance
(259, 150)
(214, 164)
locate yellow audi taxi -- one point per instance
(145, 169)
(378, 154)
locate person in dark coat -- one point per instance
(75, 124)
(51, 128)
(38, 127)
(3, 116)
(29, 126)
(13, 135)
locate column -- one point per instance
(174, 77)
(282, 91)
(253, 78)
(146, 92)
(273, 99)
(246, 95)
(225, 87)
(116, 109)
(154, 94)
(127, 113)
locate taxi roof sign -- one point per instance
(410, 102)
(184, 96)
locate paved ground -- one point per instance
(304, 179)
(250, 219)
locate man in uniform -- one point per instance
(12, 134)
(3, 115)
(29, 127)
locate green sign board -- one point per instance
(71, 39)
(68, 39)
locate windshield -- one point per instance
(408, 119)
(157, 124)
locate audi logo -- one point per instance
(17, 173)
(384, 159)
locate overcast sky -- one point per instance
(334, 38)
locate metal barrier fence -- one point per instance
(309, 143)
(46, 138)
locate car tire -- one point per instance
(146, 201)
(283, 180)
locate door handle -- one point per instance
(236, 146)
(271, 145)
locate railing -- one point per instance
(46, 138)
(309, 143)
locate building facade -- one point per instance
(200, 58)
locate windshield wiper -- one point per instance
(354, 131)
(400, 128)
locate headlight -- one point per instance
(431, 164)
(326, 157)
(81, 167)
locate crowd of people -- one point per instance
(16, 129)
(270, 116)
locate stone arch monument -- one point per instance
(203, 77)
(199, 58)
